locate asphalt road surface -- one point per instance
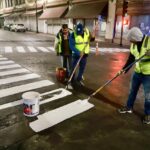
(28, 63)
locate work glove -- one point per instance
(148, 53)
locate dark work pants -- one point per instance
(137, 80)
(67, 63)
(81, 66)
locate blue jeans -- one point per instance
(137, 80)
(82, 66)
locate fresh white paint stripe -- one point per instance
(25, 87)
(60, 114)
(6, 62)
(63, 93)
(3, 58)
(10, 72)
(51, 48)
(20, 49)
(32, 49)
(43, 49)
(10, 66)
(8, 49)
(18, 78)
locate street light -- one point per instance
(36, 16)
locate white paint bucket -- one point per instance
(31, 103)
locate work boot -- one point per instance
(124, 110)
(146, 119)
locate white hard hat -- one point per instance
(135, 34)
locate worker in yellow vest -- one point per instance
(79, 42)
(140, 44)
(62, 48)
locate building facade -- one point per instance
(49, 15)
(138, 14)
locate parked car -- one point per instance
(18, 27)
(7, 26)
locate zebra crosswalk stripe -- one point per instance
(10, 66)
(20, 49)
(11, 72)
(6, 62)
(18, 78)
(51, 48)
(25, 87)
(60, 114)
(3, 58)
(32, 49)
(43, 49)
(8, 49)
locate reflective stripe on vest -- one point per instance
(144, 65)
(59, 45)
(82, 43)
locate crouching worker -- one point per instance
(62, 48)
(140, 44)
(80, 45)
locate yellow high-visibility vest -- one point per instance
(59, 44)
(82, 43)
(142, 66)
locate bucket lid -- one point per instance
(31, 95)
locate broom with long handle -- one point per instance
(118, 74)
(68, 86)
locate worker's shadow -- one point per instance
(99, 96)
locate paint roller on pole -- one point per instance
(118, 74)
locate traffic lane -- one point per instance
(24, 36)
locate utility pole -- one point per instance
(36, 17)
(124, 13)
(114, 31)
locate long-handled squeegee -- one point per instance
(117, 75)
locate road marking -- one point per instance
(10, 66)
(25, 87)
(20, 49)
(8, 49)
(110, 50)
(32, 49)
(18, 78)
(63, 93)
(60, 114)
(43, 49)
(11, 72)
(51, 48)
(6, 62)
(3, 58)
